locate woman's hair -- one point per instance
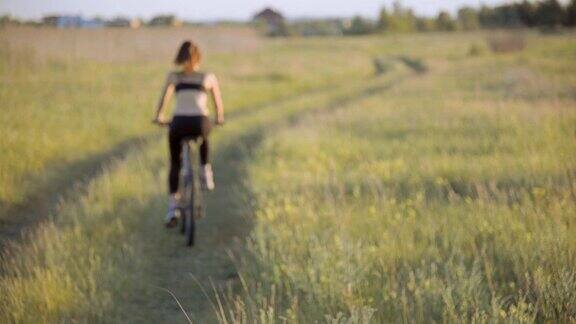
(188, 51)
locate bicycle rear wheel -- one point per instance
(189, 227)
(187, 219)
(195, 207)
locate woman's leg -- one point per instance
(204, 150)
(206, 170)
(175, 144)
(205, 146)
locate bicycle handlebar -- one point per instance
(167, 123)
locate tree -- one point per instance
(360, 26)
(279, 30)
(399, 20)
(384, 20)
(6, 20)
(486, 17)
(398, 8)
(550, 13)
(425, 24)
(507, 16)
(316, 27)
(468, 18)
(571, 14)
(527, 13)
(410, 20)
(445, 22)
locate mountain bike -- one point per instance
(191, 205)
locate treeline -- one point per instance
(78, 21)
(546, 14)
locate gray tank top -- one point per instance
(191, 94)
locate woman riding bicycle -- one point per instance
(190, 117)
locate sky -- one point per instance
(222, 9)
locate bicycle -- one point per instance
(191, 205)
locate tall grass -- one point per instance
(443, 199)
(96, 255)
(444, 196)
(79, 264)
(63, 113)
(58, 114)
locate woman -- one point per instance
(190, 117)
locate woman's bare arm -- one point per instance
(165, 98)
(214, 87)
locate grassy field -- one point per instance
(343, 197)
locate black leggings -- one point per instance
(180, 128)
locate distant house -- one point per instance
(92, 23)
(273, 20)
(135, 23)
(62, 21)
(124, 22)
(66, 21)
(118, 22)
(165, 20)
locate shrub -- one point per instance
(416, 65)
(381, 66)
(505, 43)
(476, 50)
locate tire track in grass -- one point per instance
(237, 113)
(16, 219)
(66, 180)
(194, 276)
(157, 259)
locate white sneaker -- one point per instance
(207, 177)
(173, 213)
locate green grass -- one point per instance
(343, 197)
(84, 257)
(449, 197)
(58, 113)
